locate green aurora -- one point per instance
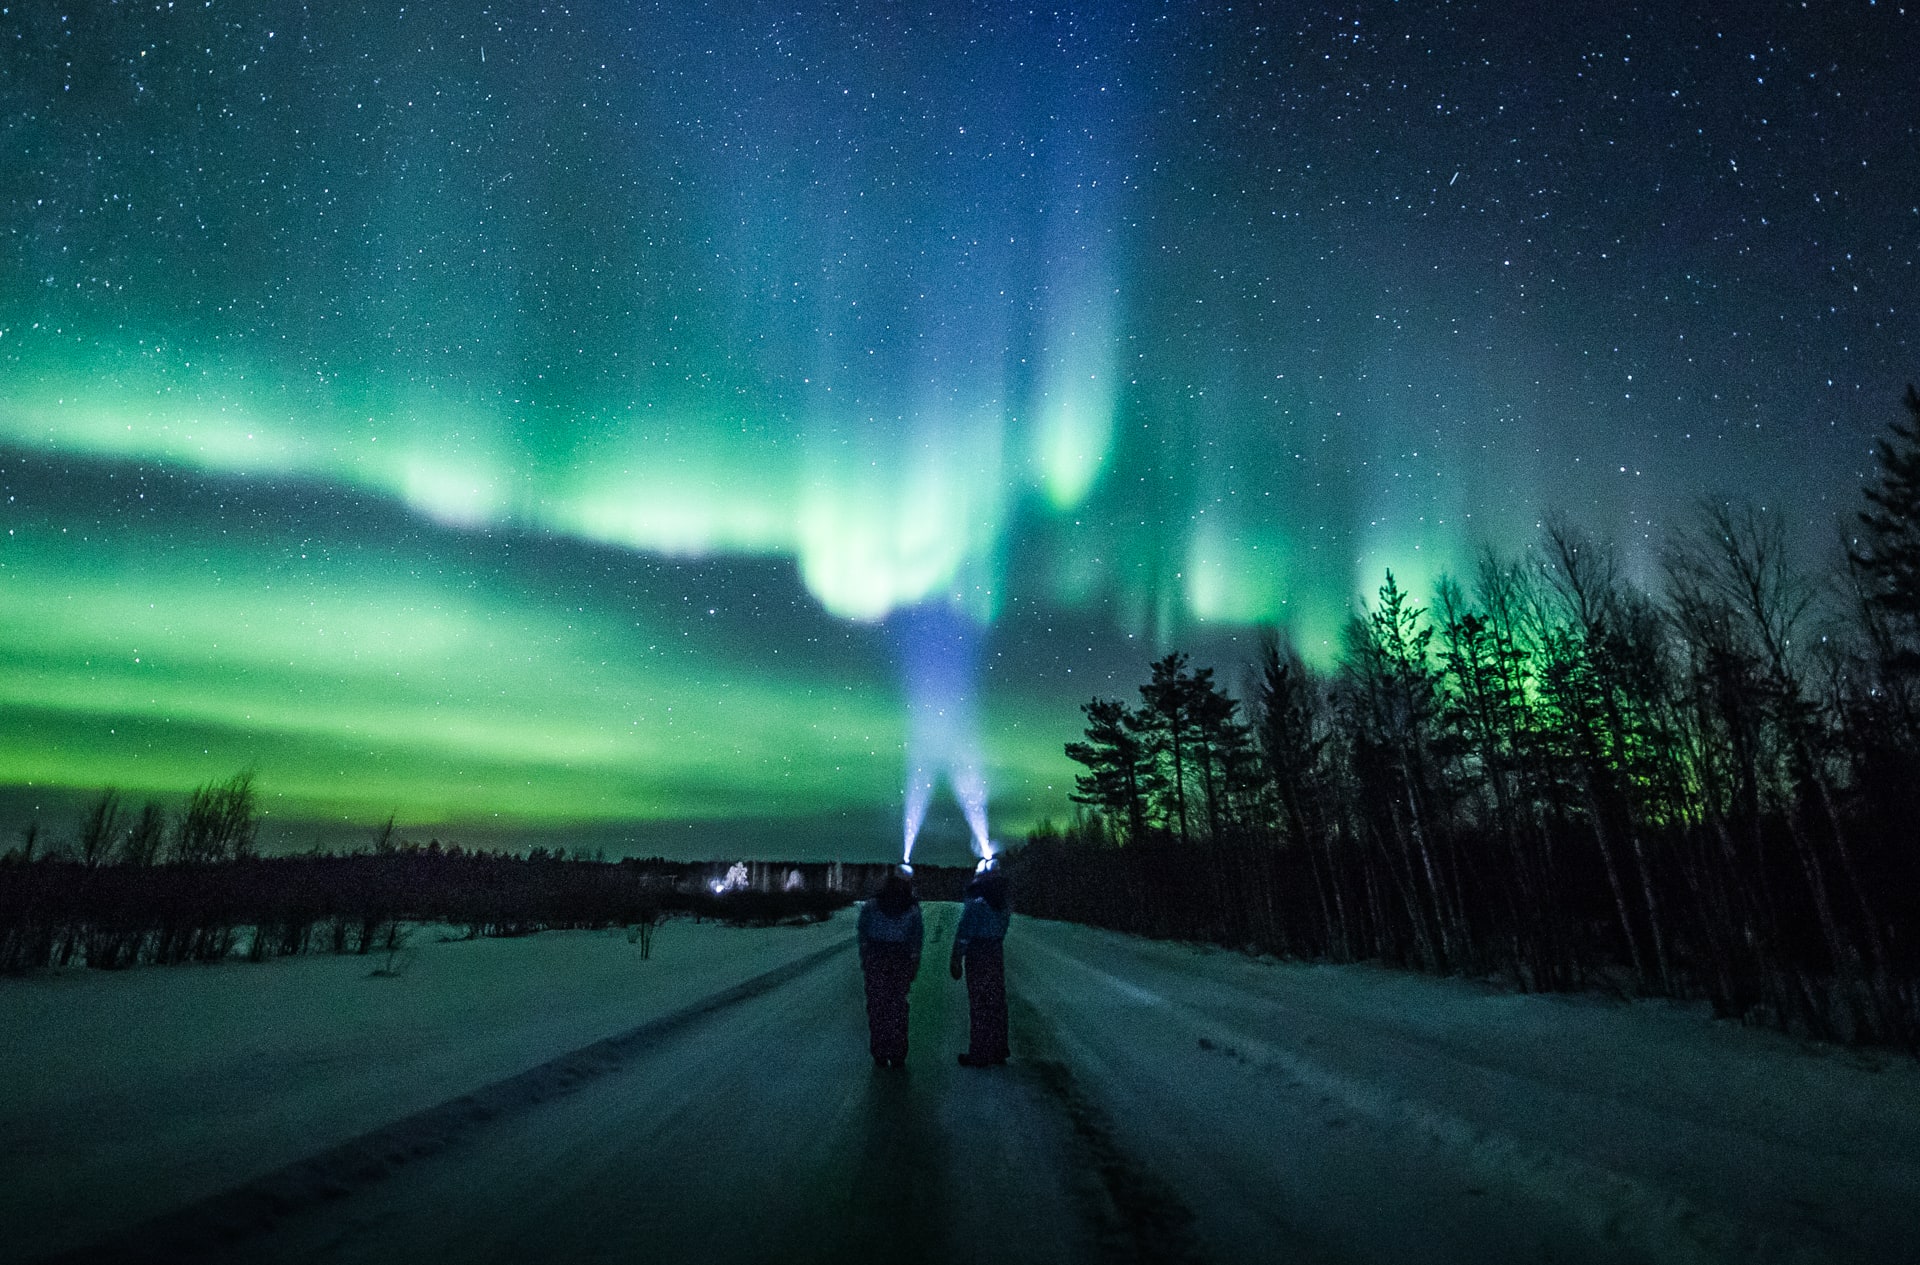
(521, 421)
(368, 679)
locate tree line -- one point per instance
(149, 887)
(1707, 786)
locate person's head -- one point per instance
(896, 895)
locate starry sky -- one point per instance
(558, 420)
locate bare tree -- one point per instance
(99, 830)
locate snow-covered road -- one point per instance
(1165, 1103)
(1362, 1114)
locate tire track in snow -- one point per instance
(221, 1220)
(1136, 1215)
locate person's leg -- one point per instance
(986, 1006)
(887, 1006)
(876, 1011)
(897, 987)
(993, 988)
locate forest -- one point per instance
(1704, 787)
(149, 887)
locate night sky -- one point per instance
(563, 421)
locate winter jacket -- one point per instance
(980, 923)
(879, 928)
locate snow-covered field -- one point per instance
(128, 1094)
(716, 1103)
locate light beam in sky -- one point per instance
(539, 437)
(939, 646)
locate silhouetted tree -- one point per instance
(1166, 723)
(1882, 712)
(219, 822)
(1705, 791)
(1287, 723)
(1116, 761)
(1391, 692)
(99, 830)
(146, 837)
(29, 840)
(1888, 551)
(1289, 711)
(1225, 755)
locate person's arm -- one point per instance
(863, 929)
(961, 935)
(916, 939)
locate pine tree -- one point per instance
(1391, 693)
(1222, 753)
(1116, 759)
(1285, 707)
(1888, 555)
(1167, 722)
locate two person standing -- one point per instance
(891, 935)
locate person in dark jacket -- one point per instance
(891, 932)
(978, 955)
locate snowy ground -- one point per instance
(128, 1094)
(1356, 1113)
(558, 1098)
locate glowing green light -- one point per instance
(473, 700)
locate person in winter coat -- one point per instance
(891, 933)
(978, 955)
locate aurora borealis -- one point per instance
(545, 418)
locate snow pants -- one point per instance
(889, 972)
(986, 1001)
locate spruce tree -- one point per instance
(1286, 707)
(1115, 758)
(1167, 723)
(1888, 551)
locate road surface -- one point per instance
(1164, 1104)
